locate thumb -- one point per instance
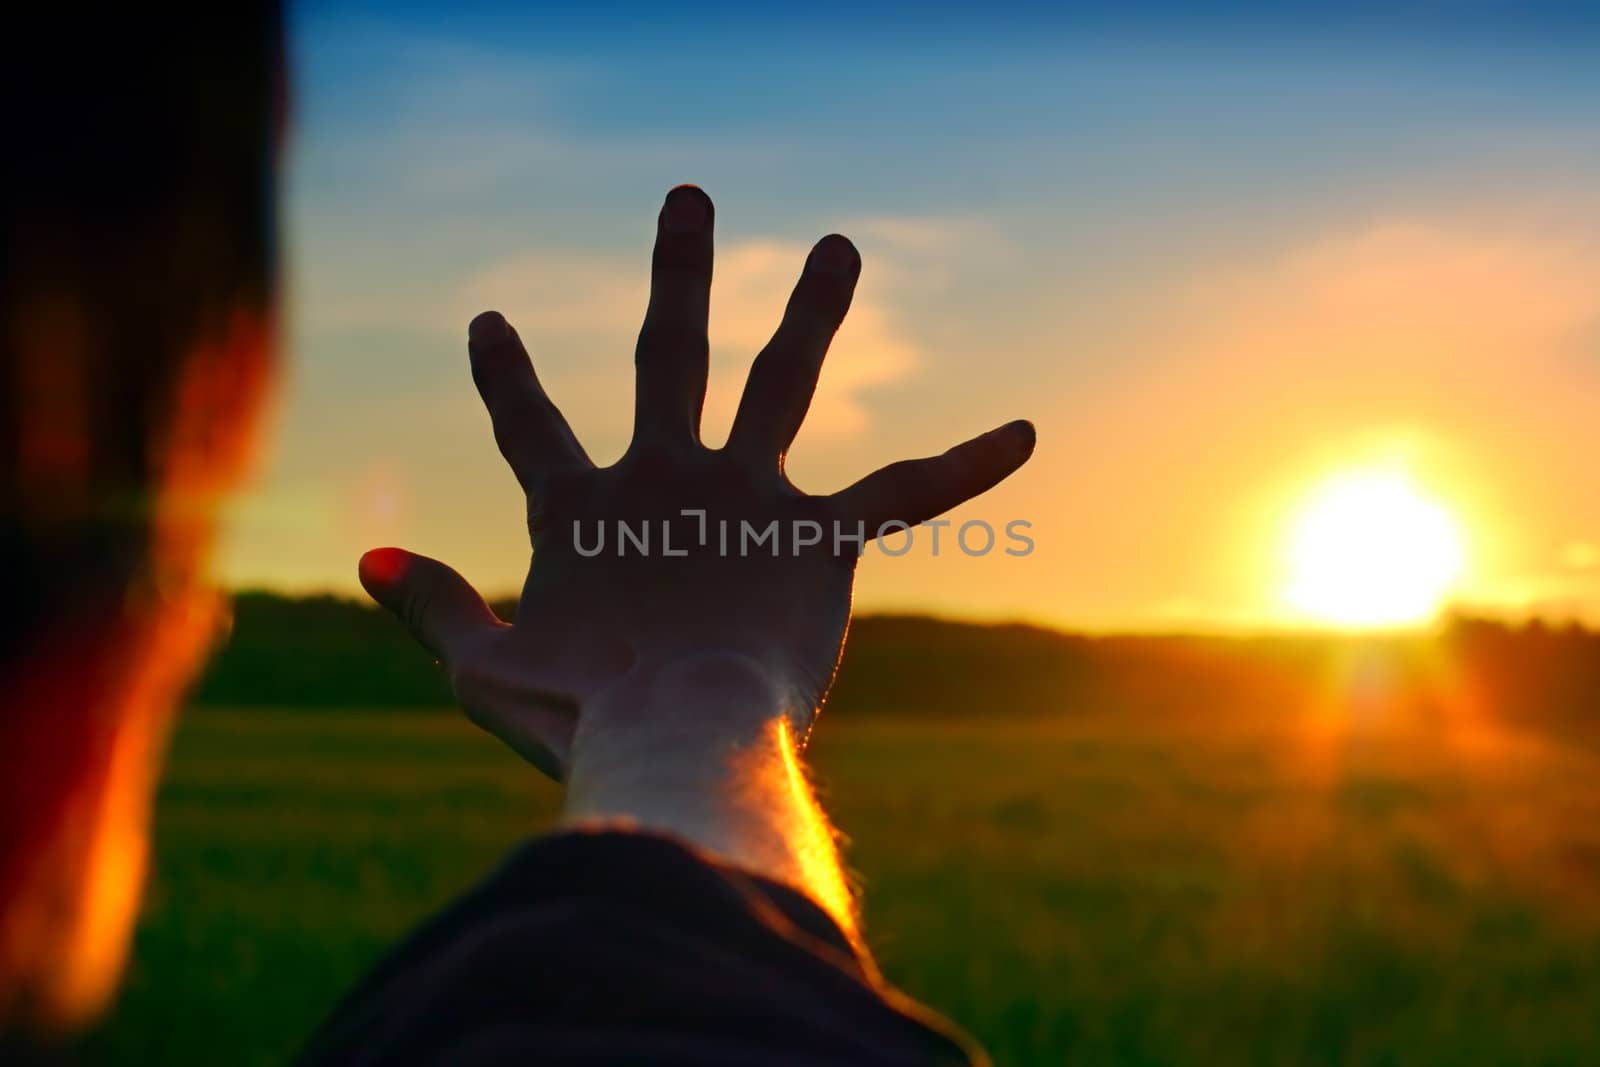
(437, 605)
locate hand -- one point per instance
(589, 622)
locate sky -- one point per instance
(1217, 259)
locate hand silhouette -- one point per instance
(701, 571)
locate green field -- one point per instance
(1089, 890)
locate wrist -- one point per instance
(682, 717)
(703, 749)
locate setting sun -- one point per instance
(1369, 548)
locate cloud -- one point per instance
(1431, 295)
(753, 283)
(571, 304)
(1393, 321)
(558, 291)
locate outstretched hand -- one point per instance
(671, 556)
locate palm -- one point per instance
(700, 580)
(595, 606)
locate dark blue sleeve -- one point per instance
(589, 948)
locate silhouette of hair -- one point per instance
(135, 325)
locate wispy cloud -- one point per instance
(566, 300)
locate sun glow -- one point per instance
(1368, 548)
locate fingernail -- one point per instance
(687, 209)
(382, 567)
(835, 255)
(489, 328)
(1030, 436)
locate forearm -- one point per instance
(704, 750)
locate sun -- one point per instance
(1368, 548)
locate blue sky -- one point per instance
(1212, 256)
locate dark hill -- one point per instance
(327, 652)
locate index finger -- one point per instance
(532, 433)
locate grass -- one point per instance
(1087, 890)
